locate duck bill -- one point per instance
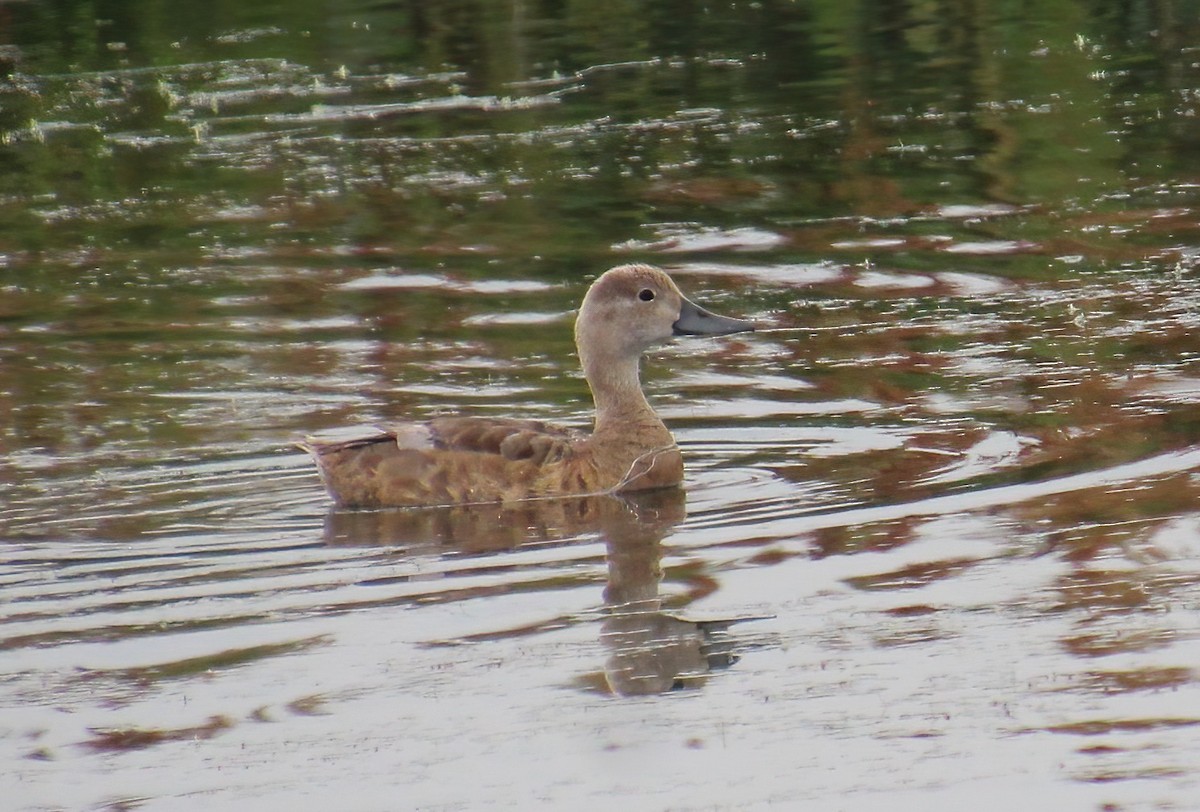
(694, 320)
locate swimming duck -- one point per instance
(466, 460)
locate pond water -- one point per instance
(939, 542)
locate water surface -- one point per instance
(938, 543)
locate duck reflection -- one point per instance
(649, 650)
(472, 529)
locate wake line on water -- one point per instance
(1173, 462)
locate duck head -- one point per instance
(632, 308)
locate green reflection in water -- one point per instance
(798, 111)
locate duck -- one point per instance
(460, 460)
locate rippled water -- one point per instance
(938, 544)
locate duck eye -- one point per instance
(646, 295)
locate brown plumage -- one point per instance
(462, 460)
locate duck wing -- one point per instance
(449, 460)
(534, 441)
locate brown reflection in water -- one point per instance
(856, 538)
(912, 576)
(1112, 522)
(1103, 727)
(137, 738)
(136, 680)
(1144, 679)
(1122, 611)
(1121, 591)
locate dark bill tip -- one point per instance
(696, 321)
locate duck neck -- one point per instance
(617, 391)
